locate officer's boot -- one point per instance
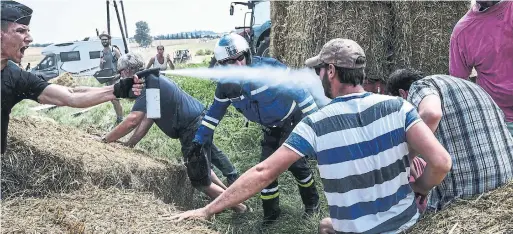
(271, 203)
(310, 197)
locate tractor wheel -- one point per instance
(263, 48)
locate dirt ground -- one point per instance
(33, 54)
(93, 210)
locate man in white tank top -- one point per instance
(159, 60)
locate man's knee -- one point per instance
(326, 227)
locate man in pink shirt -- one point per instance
(483, 40)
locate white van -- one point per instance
(78, 57)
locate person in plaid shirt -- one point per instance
(468, 123)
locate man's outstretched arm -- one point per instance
(249, 184)
(80, 98)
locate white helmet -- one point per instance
(230, 46)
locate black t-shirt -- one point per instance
(17, 84)
(178, 108)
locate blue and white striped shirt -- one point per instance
(359, 141)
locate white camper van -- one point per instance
(77, 58)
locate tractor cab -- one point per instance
(257, 25)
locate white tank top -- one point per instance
(162, 66)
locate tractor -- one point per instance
(182, 56)
(258, 31)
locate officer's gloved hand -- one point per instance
(124, 86)
(197, 165)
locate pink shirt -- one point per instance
(484, 41)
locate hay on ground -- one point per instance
(490, 213)
(94, 210)
(65, 79)
(44, 157)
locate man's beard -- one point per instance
(327, 86)
(105, 44)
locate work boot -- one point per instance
(311, 210)
(310, 199)
(271, 211)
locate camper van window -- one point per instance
(47, 62)
(70, 56)
(94, 54)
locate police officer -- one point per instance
(18, 84)
(277, 110)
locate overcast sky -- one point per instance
(68, 20)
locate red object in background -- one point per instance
(374, 86)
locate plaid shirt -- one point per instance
(474, 132)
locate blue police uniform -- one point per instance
(278, 110)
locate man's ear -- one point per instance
(403, 93)
(331, 71)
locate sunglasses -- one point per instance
(318, 68)
(233, 61)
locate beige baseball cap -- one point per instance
(339, 52)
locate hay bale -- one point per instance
(65, 79)
(61, 158)
(310, 24)
(422, 33)
(279, 25)
(393, 33)
(490, 213)
(93, 210)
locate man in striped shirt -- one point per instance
(361, 142)
(468, 123)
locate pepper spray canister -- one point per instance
(152, 84)
(152, 97)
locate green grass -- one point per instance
(241, 144)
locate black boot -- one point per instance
(271, 210)
(310, 199)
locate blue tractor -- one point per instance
(258, 31)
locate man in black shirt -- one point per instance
(18, 84)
